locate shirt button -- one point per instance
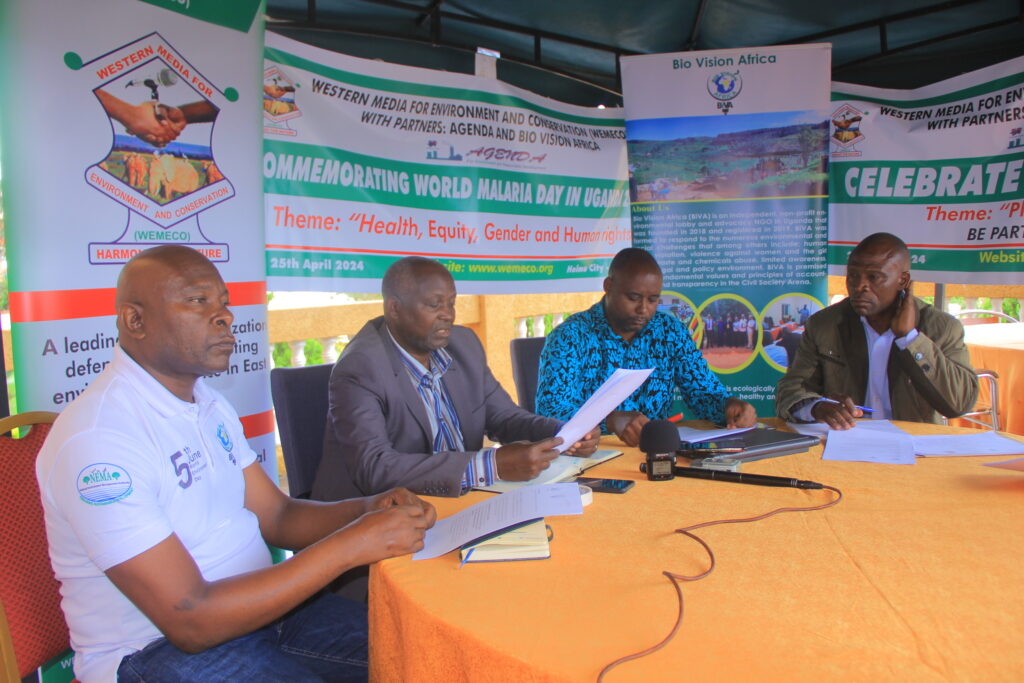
(918, 356)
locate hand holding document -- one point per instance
(607, 398)
(498, 512)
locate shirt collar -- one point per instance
(870, 331)
(440, 360)
(600, 322)
(155, 393)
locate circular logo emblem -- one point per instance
(103, 483)
(725, 85)
(224, 437)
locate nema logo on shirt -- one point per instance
(103, 483)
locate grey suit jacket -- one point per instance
(378, 435)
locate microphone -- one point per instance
(164, 76)
(659, 440)
(661, 437)
(741, 478)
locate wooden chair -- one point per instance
(32, 627)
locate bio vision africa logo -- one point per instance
(724, 87)
(103, 483)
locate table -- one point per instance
(916, 575)
(1000, 347)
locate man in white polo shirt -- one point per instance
(158, 514)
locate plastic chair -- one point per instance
(300, 398)
(32, 626)
(989, 408)
(525, 366)
(966, 316)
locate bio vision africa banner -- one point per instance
(366, 162)
(128, 124)
(940, 166)
(728, 169)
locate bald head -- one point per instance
(149, 270)
(173, 317)
(885, 245)
(402, 280)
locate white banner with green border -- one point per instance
(366, 162)
(940, 166)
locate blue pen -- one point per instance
(466, 558)
(864, 409)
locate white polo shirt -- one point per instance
(126, 465)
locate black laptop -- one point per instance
(758, 444)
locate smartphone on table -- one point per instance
(606, 485)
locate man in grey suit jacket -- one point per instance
(379, 430)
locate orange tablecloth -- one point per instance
(917, 575)
(1000, 347)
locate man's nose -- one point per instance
(224, 317)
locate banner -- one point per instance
(728, 169)
(940, 166)
(92, 177)
(366, 162)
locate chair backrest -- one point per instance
(967, 316)
(525, 354)
(36, 631)
(300, 402)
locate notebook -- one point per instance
(527, 541)
(562, 468)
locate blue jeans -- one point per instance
(322, 640)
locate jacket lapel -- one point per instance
(855, 353)
(413, 402)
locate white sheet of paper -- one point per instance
(1015, 464)
(823, 430)
(607, 398)
(869, 445)
(982, 443)
(691, 435)
(498, 512)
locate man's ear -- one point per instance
(904, 279)
(131, 320)
(391, 305)
(607, 284)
